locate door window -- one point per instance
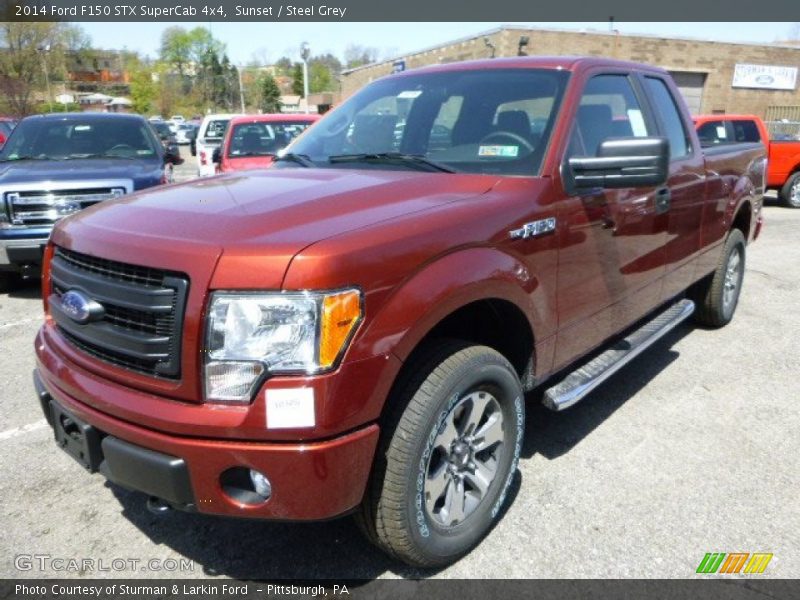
(608, 109)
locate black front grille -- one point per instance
(140, 325)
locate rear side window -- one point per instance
(712, 133)
(675, 129)
(745, 131)
(216, 129)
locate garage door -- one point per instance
(691, 86)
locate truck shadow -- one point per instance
(553, 434)
(335, 550)
(28, 289)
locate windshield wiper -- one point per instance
(414, 159)
(27, 157)
(300, 159)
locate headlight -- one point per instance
(250, 334)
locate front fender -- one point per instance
(442, 287)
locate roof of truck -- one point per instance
(568, 63)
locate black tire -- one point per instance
(436, 397)
(715, 299)
(790, 192)
(8, 281)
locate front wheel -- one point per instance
(718, 296)
(790, 192)
(447, 461)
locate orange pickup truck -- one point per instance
(783, 156)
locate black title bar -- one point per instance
(399, 10)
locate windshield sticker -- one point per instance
(409, 94)
(506, 151)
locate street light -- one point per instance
(305, 52)
(44, 49)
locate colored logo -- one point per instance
(737, 562)
(79, 308)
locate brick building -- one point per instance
(703, 70)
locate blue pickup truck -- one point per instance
(55, 165)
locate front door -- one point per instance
(611, 256)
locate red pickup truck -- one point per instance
(783, 156)
(253, 141)
(354, 329)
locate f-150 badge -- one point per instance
(534, 228)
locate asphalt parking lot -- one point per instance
(693, 448)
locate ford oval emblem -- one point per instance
(79, 308)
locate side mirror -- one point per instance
(216, 155)
(623, 163)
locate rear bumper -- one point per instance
(310, 481)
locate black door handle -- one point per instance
(663, 200)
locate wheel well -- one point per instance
(742, 220)
(496, 323)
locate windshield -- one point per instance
(78, 137)
(263, 139)
(487, 121)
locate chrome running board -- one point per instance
(575, 386)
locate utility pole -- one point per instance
(305, 52)
(241, 88)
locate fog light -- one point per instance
(261, 484)
(245, 486)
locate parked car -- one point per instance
(783, 164)
(209, 136)
(185, 133)
(7, 125)
(170, 144)
(354, 328)
(253, 141)
(55, 165)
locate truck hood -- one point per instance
(141, 172)
(263, 218)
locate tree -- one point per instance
(270, 95)
(143, 90)
(356, 55)
(32, 53)
(176, 48)
(320, 78)
(284, 66)
(297, 79)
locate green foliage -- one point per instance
(270, 95)
(143, 90)
(297, 79)
(55, 107)
(33, 55)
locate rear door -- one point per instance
(685, 199)
(611, 254)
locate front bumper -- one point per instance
(22, 248)
(310, 481)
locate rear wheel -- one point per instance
(790, 192)
(718, 296)
(449, 456)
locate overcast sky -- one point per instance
(270, 41)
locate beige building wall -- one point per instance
(715, 60)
